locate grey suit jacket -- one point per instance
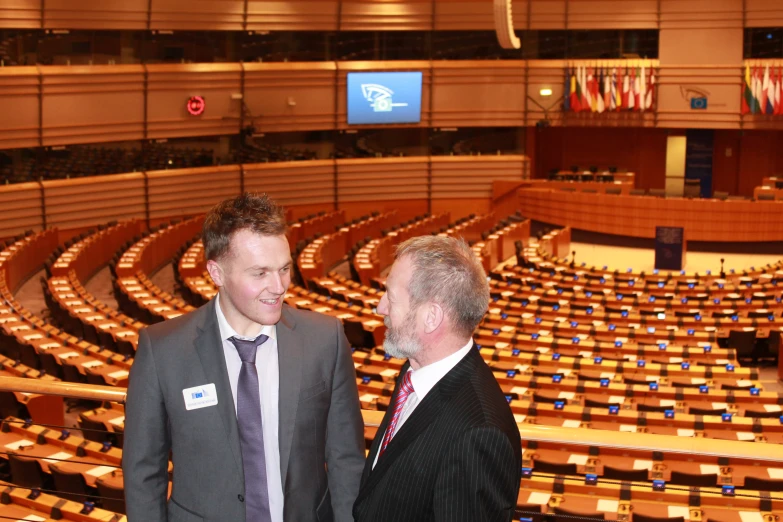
(320, 423)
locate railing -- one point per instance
(561, 492)
(372, 418)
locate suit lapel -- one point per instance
(425, 414)
(210, 350)
(290, 360)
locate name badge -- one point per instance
(200, 396)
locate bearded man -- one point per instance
(448, 448)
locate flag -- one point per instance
(574, 92)
(770, 92)
(648, 103)
(763, 93)
(779, 95)
(601, 105)
(589, 91)
(632, 91)
(747, 93)
(613, 94)
(595, 94)
(637, 89)
(585, 100)
(567, 89)
(643, 89)
(626, 90)
(607, 90)
(756, 89)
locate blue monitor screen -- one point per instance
(384, 97)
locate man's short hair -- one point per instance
(446, 271)
(253, 212)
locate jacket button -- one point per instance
(241, 498)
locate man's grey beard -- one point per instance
(399, 341)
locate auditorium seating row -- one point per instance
(324, 252)
(70, 466)
(267, 153)
(39, 345)
(78, 311)
(135, 292)
(612, 307)
(378, 254)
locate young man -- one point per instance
(256, 401)
(448, 448)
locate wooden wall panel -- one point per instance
(291, 96)
(83, 104)
(388, 15)
(343, 68)
(381, 179)
(642, 151)
(761, 155)
(701, 14)
(459, 15)
(478, 94)
(719, 84)
(763, 13)
(471, 177)
(170, 87)
(293, 183)
(96, 14)
(21, 204)
(20, 14)
(320, 15)
(82, 202)
(406, 208)
(188, 192)
(547, 14)
(19, 107)
(462, 207)
(701, 45)
(726, 161)
(197, 15)
(613, 14)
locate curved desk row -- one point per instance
(637, 216)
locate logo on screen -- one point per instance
(384, 97)
(380, 97)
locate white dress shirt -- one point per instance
(269, 391)
(423, 380)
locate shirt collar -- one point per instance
(426, 377)
(227, 332)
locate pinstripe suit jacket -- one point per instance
(456, 458)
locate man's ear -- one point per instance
(215, 272)
(433, 317)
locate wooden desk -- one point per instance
(637, 216)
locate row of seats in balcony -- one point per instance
(81, 161)
(270, 153)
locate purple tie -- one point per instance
(251, 432)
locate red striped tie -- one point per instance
(406, 388)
